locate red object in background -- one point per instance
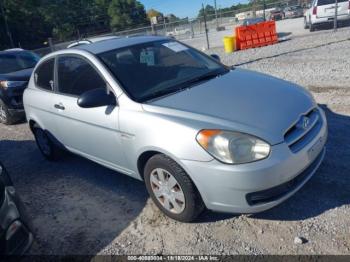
(256, 35)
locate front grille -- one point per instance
(301, 133)
(17, 101)
(277, 192)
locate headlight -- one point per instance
(233, 147)
(7, 84)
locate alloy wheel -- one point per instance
(167, 190)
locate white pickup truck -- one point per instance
(323, 12)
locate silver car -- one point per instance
(198, 133)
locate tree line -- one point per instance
(30, 23)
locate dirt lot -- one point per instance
(79, 207)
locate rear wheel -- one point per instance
(46, 146)
(171, 189)
(5, 117)
(312, 27)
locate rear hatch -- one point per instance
(326, 8)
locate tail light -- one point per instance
(314, 10)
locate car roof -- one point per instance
(87, 41)
(13, 52)
(101, 38)
(14, 49)
(107, 45)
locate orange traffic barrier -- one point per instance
(257, 35)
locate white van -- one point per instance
(323, 11)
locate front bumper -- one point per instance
(17, 114)
(229, 188)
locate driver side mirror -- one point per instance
(216, 57)
(96, 98)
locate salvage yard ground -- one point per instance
(78, 207)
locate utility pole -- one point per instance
(164, 22)
(216, 15)
(8, 32)
(205, 26)
(336, 16)
(264, 3)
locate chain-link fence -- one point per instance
(201, 32)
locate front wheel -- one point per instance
(171, 189)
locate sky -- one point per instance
(184, 8)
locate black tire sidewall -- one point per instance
(312, 27)
(193, 202)
(8, 116)
(52, 154)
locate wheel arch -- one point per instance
(148, 154)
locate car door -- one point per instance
(39, 99)
(91, 132)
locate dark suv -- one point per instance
(16, 66)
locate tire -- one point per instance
(45, 144)
(312, 27)
(5, 117)
(306, 25)
(190, 206)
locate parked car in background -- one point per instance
(180, 31)
(293, 11)
(91, 40)
(252, 21)
(15, 235)
(322, 12)
(199, 134)
(16, 66)
(276, 15)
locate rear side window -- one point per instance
(44, 75)
(329, 2)
(76, 76)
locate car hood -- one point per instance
(241, 100)
(22, 75)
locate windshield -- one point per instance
(155, 69)
(16, 61)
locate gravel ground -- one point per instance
(79, 207)
(285, 28)
(320, 59)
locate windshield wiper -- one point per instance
(207, 76)
(158, 94)
(184, 85)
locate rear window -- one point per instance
(44, 75)
(329, 2)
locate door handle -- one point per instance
(59, 106)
